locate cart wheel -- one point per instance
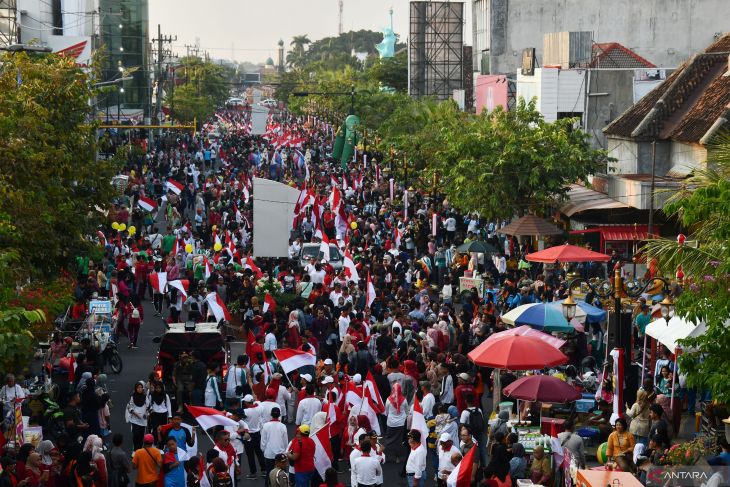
(115, 362)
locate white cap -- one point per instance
(357, 378)
(306, 377)
(248, 398)
(328, 361)
(327, 380)
(464, 376)
(444, 437)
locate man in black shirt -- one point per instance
(72, 417)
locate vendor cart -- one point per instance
(603, 478)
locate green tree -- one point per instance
(50, 180)
(703, 208)
(390, 72)
(205, 87)
(298, 43)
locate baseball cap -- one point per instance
(328, 361)
(444, 437)
(306, 377)
(248, 398)
(148, 438)
(464, 376)
(327, 380)
(304, 429)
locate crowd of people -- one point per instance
(387, 323)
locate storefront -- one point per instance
(626, 240)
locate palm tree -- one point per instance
(298, 42)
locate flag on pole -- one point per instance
(418, 421)
(350, 269)
(147, 204)
(269, 304)
(182, 285)
(158, 281)
(397, 239)
(368, 408)
(370, 297)
(461, 475)
(371, 389)
(217, 307)
(209, 417)
(252, 265)
(322, 449)
(291, 359)
(174, 186)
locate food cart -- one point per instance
(603, 478)
(468, 283)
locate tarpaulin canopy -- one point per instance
(517, 352)
(669, 334)
(525, 330)
(542, 388)
(567, 253)
(541, 316)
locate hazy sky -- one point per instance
(250, 29)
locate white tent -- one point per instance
(669, 334)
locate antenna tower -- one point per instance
(340, 5)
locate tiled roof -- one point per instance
(686, 104)
(615, 55)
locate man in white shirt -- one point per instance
(274, 439)
(366, 469)
(308, 407)
(445, 451)
(268, 406)
(344, 322)
(336, 294)
(253, 414)
(294, 249)
(428, 401)
(500, 263)
(416, 464)
(317, 274)
(270, 341)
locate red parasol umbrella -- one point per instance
(517, 352)
(542, 388)
(567, 253)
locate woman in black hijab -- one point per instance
(498, 468)
(136, 414)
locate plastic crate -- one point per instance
(585, 405)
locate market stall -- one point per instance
(603, 478)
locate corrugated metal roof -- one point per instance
(581, 198)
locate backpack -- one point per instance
(476, 420)
(222, 479)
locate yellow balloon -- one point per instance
(217, 247)
(214, 227)
(115, 225)
(122, 227)
(132, 230)
(189, 248)
(353, 225)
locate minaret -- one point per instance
(280, 65)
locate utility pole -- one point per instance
(160, 57)
(651, 191)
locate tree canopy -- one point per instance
(703, 209)
(201, 87)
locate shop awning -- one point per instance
(625, 234)
(581, 199)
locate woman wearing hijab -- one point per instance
(396, 412)
(136, 414)
(501, 425)
(84, 470)
(498, 469)
(518, 463)
(160, 409)
(363, 427)
(44, 450)
(90, 403)
(292, 330)
(93, 446)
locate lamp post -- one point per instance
(616, 289)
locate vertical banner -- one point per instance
(19, 421)
(434, 223)
(392, 189)
(365, 160)
(618, 383)
(405, 205)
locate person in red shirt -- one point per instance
(301, 455)
(141, 273)
(461, 391)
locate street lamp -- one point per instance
(569, 307)
(667, 307)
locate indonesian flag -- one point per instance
(461, 475)
(418, 421)
(371, 390)
(398, 235)
(370, 297)
(333, 182)
(341, 220)
(252, 265)
(180, 284)
(209, 417)
(353, 394)
(291, 359)
(207, 269)
(322, 450)
(350, 269)
(335, 199)
(146, 204)
(434, 223)
(324, 247)
(176, 247)
(174, 186)
(368, 408)
(269, 304)
(332, 411)
(217, 307)
(250, 340)
(158, 281)
(204, 482)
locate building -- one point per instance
(666, 31)
(124, 35)
(71, 30)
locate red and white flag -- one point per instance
(368, 408)
(181, 285)
(322, 450)
(371, 389)
(392, 189)
(204, 482)
(252, 265)
(461, 475)
(217, 307)
(158, 281)
(207, 268)
(350, 269)
(269, 304)
(434, 223)
(146, 204)
(397, 239)
(209, 417)
(324, 247)
(370, 296)
(418, 421)
(291, 359)
(174, 186)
